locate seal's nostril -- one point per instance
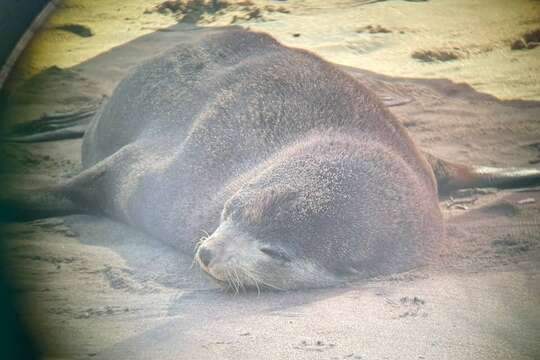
(205, 255)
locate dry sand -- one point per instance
(97, 289)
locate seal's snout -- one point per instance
(205, 255)
(225, 251)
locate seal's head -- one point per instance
(316, 215)
(239, 260)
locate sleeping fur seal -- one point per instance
(298, 174)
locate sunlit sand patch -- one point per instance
(442, 39)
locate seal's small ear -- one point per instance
(267, 203)
(231, 207)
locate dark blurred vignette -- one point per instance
(14, 341)
(15, 17)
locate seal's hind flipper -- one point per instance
(54, 127)
(451, 176)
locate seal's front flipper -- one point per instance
(451, 176)
(28, 198)
(52, 127)
(29, 203)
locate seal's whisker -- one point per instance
(272, 286)
(240, 282)
(193, 262)
(249, 275)
(200, 241)
(231, 286)
(228, 280)
(275, 287)
(232, 281)
(235, 278)
(195, 252)
(257, 286)
(228, 287)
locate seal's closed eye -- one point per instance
(275, 254)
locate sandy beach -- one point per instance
(468, 74)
